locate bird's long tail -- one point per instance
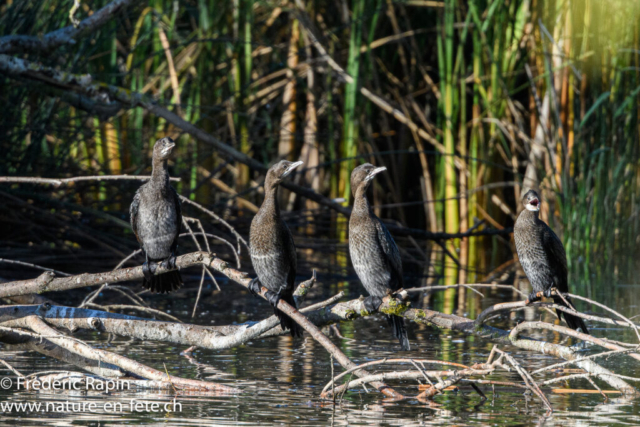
(399, 331)
(163, 283)
(573, 322)
(287, 322)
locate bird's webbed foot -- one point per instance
(170, 262)
(255, 287)
(273, 298)
(371, 304)
(146, 270)
(550, 292)
(533, 297)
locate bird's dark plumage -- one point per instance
(542, 256)
(273, 252)
(156, 220)
(374, 253)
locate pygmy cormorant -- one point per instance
(156, 220)
(542, 257)
(373, 252)
(273, 252)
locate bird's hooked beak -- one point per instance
(533, 205)
(374, 172)
(291, 167)
(167, 149)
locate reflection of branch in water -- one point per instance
(149, 310)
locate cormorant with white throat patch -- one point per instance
(543, 257)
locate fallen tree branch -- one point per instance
(33, 342)
(35, 324)
(65, 181)
(521, 305)
(198, 258)
(209, 337)
(515, 332)
(240, 277)
(325, 316)
(46, 282)
(355, 308)
(66, 35)
(456, 375)
(331, 383)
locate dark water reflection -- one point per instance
(282, 378)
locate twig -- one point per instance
(468, 285)
(65, 181)
(333, 379)
(597, 388)
(72, 12)
(37, 267)
(513, 336)
(529, 382)
(11, 368)
(217, 218)
(66, 35)
(610, 310)
(169, 378)
(322, 304)
(520, 305)
(455, 377)
(195, 304)
(389, 361)
(412, 375)
(185, 222)
(93, 295)
(304, 287)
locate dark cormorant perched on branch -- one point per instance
(373, 252)
(543, 258)
(273, 252)
(156, 220)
